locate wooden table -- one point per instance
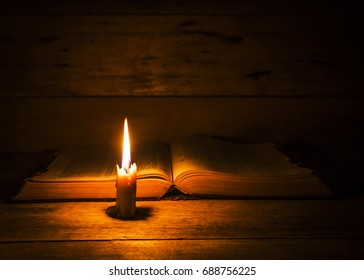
(185, 229)
(180, 229)
(283, 73)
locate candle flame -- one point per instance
(126, 158)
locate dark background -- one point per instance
(275, 71)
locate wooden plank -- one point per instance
(184, 220)
(133, 55)
(251, 249)
(167, 6)
(53, 123)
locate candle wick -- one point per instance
(126, 167)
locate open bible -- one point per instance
(195, 165)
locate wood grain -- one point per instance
(53, 123)
(180, 55)
(168, 7)
(222, 249)
(68, 68)
(202, 219)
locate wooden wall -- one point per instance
(276, 71)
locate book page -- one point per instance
(214, 156)
(99, 164)
(153, 160)
(195, 153)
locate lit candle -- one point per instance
(126, 180)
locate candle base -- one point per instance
(126, 198)
(114, 212)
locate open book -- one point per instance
(195, 166)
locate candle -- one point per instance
(126, 180)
